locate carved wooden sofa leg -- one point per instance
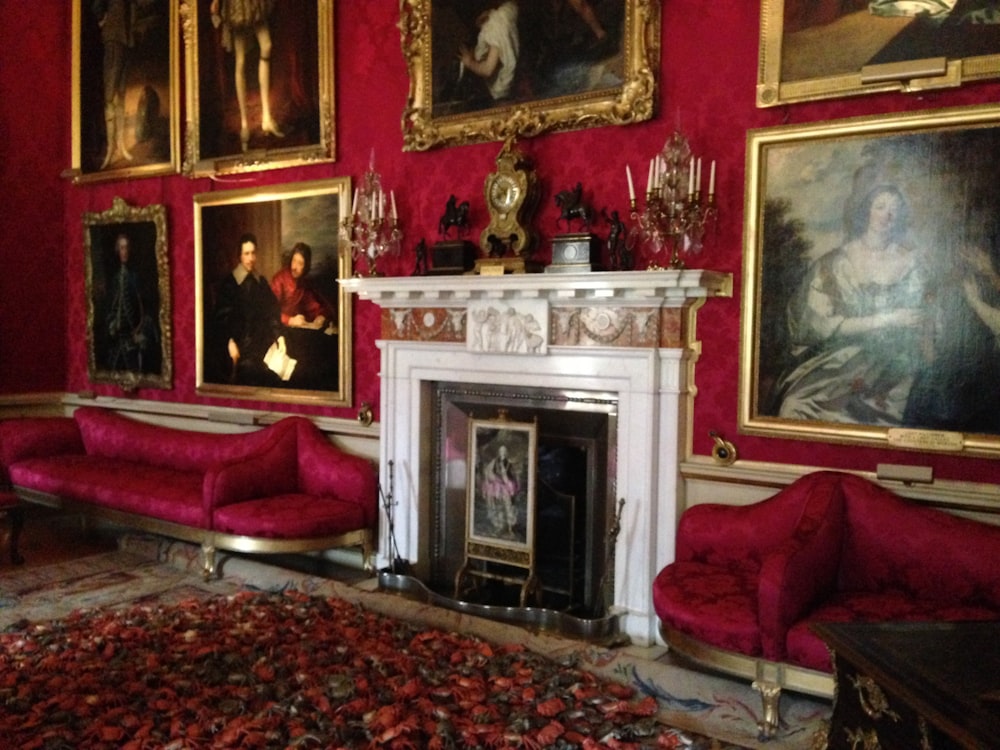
(770, 695)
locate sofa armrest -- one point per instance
(326, 470)
(38, 437)
(270, 470)
(800, 573)
(743, 536)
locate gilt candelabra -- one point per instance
(675, 216)
(367, 230)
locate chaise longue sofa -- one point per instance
(748, 583)
(284, 488)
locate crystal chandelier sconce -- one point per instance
(676, 215)
(369, 232)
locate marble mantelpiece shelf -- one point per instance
(616, 287)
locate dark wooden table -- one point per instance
(915, 685)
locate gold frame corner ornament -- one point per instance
(633, 100)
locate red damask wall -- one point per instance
(707, 80)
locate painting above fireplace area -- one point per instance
(560, 531)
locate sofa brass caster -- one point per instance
(770, 695)
(208, 561)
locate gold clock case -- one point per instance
(511, 194)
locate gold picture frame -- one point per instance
(500, 506)
(297, 125)
(501, 485)
(293, 345)
(871, 297)
(586, 81)
(811, 51)
(126, 107)
(129, 335)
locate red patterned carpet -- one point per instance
(66, 573)
(255, 670)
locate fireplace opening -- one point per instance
(574, 497)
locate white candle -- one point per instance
(392, 198)
(381, 204)
(354, 206)
(697, 179)
(711, 179)
(631, 187)
(649, 178)
(691, 177)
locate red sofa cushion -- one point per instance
(291, 516)
(710, 603)
(152, 491)
(806, 649)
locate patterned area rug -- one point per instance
(259, 670)
(149, 572)
(103, 580)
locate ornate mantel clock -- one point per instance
(511, 193)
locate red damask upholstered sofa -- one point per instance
(748, 582)
(284, 488)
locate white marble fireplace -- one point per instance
(630, 334)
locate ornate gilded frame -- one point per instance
(921, 372)
(630, 98)
(519, 442)
(279, 216)
(843, 49)
(150, 113)
(143, 356)
(213, 141)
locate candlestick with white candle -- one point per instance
(671, 219)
